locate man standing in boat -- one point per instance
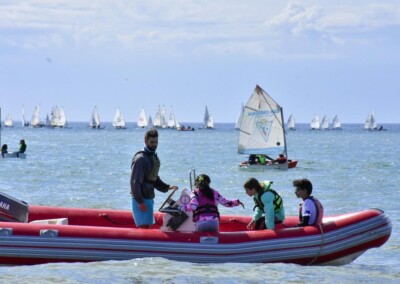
(144, 179)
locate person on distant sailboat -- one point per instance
(280, 160)
(267, 202)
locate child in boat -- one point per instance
(22, 147)
(267, 202)
(311, 210)
(204, 203)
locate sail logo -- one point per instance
(264, 127)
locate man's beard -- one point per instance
(153, 149)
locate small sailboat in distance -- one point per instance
(315, 123)
(142, 120)
(94, 121)
(325, 123)
(208, 120)
(119, 120)
(8, 122)
(291, 123)
(23, 120)
(336, 124)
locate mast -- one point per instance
(284, 133)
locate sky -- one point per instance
(313, 57)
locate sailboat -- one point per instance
(23, 120)
(35, 120)
(239, 118)
(291, 123)
(57, 117)
(62, 119)
(208, 120)
(315, 123)
(95, 119)
(119, 121)
(150, 123)
(336, 124)
(8, 122)
(142, 121)
(370, 123)
(325, 123)
(160, 121)
(262, 132)
(172, 123)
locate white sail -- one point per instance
(240, 116)
(315, 122)
(54, 117)
(35, 120)
(336, 123)
(163, 117)
(262, 128)
(172, 120)
(62, 118)
(157, 118)
(291, 123)
(119, 121)
(142, 120)
(150, 124)
(8, 122)
(370, 122)
(23, 120)
(325, 122)
(95, 119)
(208, 119)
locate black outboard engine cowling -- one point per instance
(12, 209)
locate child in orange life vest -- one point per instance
(204, 203)
(311, 210)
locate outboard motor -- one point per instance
(12, 209)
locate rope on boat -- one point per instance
(321, 246)
(108, 218)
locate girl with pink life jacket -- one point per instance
(204, 204)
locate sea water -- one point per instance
(351, 169)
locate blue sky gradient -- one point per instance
(311, 57)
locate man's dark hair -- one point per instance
(151, 133)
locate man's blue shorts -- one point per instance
(140, 217)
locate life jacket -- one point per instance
(281, 160)
(206, 206)
(152, 175)
(261, 159)
(278, 203)
(320, 211)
